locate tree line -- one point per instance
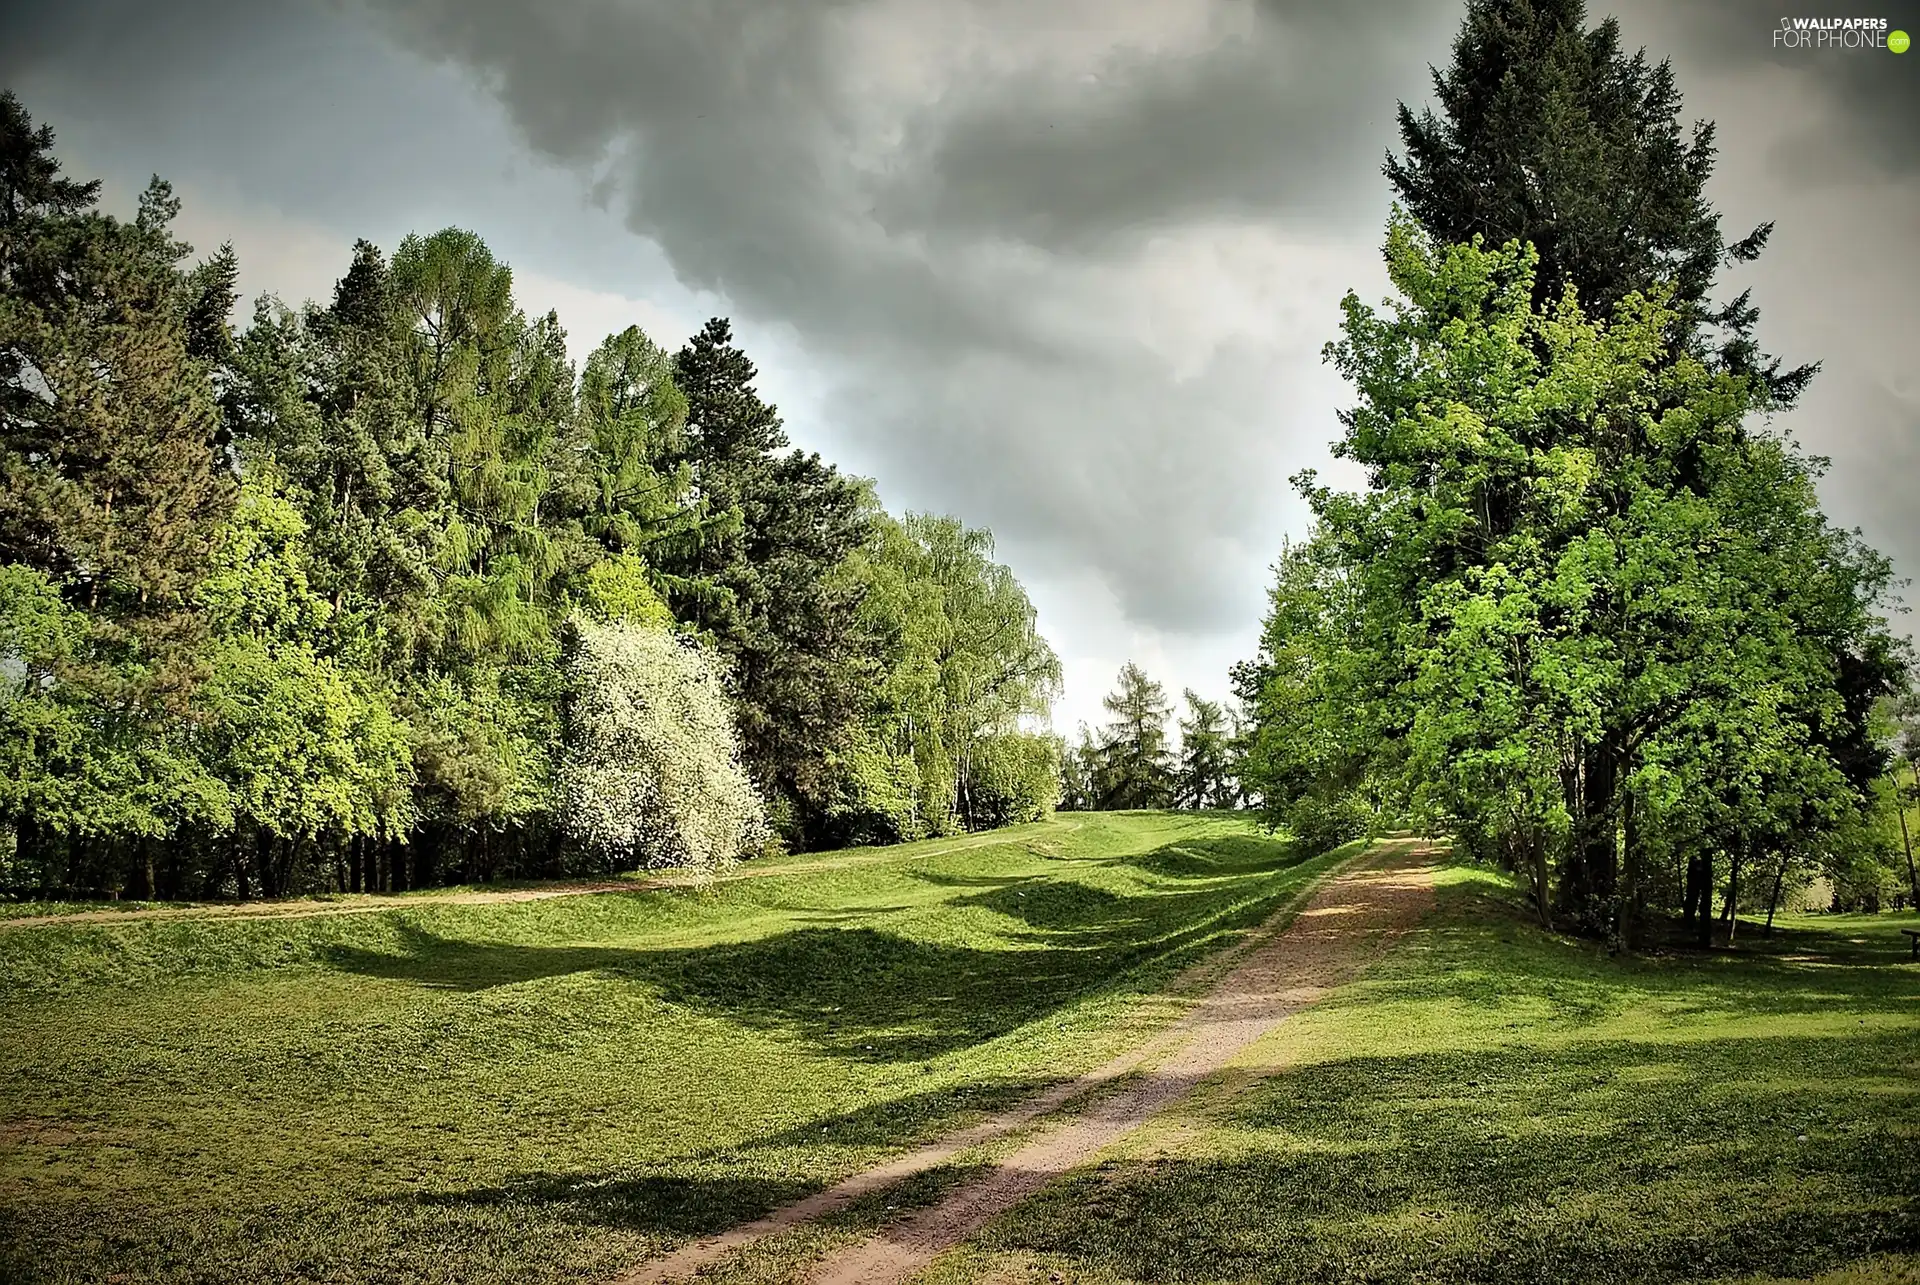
(1586, 614)
(1132, 762)
(383, 592)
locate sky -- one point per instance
(1062, 268)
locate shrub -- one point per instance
(653, 765)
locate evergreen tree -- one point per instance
(1136, 769)
(770, 582)
(110, 482)
(1551, 135)
(1205, 771)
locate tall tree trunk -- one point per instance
(1731, 914)
(1700, 906)
(1631, 899)
(1773, 901)
(1573, 863)
(263, 850)
(1599, 831)
(1906, 838)
(143, 888)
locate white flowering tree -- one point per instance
(653, 764)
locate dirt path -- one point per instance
(373, 905)
(1346, 924)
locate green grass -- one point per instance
(552, 1090)
(1495, 1104)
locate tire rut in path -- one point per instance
(1346, 924)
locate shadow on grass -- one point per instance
(724, 1192)
(1615, 1162)
(666, 1204)
(1594, 1118)
(868, 994)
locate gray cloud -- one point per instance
(1064, 268)
(959, 215)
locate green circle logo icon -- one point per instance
(1897, 41)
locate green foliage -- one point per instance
(1572, 555)
(1207, 771)
(1133, 765)
(964, 664)
(768, 580)
(283, 609)
(1552, 136)
(1014, 777)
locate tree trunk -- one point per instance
(145, 888)
(1573, 866)
(1703, 925)
(264, 854)
(1537, 867)
(1906, 838)
(1731, 915)
(1773, 902)
(1630, 900)
(1599, 832)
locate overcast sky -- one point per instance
(1063, 268)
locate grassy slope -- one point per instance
(551, 1090)
(1498, 1105)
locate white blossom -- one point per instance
(653, 766)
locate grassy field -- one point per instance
(552, 1090)
(1495, 1104)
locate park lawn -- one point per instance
(554, 1090)
(1498, 1104)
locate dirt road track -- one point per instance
(1347, 923)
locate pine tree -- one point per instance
(1206, 765)
(1550, 134)
(110, 480)
(1136, 769)
(769, 582)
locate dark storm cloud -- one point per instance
(1284, 121)
(1063, 268)
(949, 204)
(1819, 141)
(1874, 96)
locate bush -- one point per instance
(1321, 824)
(1014, 777)
(653, 766)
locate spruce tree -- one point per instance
(1550, 134)
(767, 580)
(1136, 769)
(111, 483)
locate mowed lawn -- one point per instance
(554, 1090)
(1495, 1104)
